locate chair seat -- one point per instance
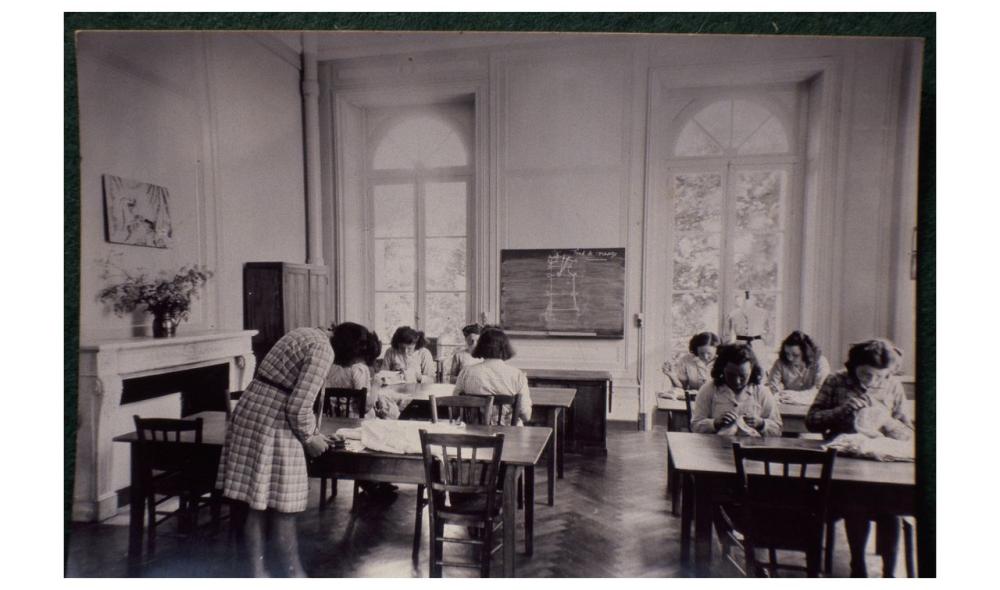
(468, 505)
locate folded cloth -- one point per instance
(739, 428)
(797, 398)
(881, 448)
(400, 436)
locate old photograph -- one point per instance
(450, 303)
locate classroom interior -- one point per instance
(390, 178)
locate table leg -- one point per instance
(529, 510)
(553, 448)
(561, 447)
(702, 526)
(136, 511)
(687, 515)
(509, 522)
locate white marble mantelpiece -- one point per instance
(104, 366)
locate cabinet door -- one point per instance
(262, 307)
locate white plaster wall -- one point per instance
(217, 120)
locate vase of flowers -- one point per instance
(167, 298)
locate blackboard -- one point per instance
(575, 292)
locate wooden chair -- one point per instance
(462, 475)
(472, 409)
(782, 504)
(343, 403)
(501, 401)
(168, 469)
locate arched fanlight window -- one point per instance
(730, 170)
(420, 174)
(732, 127)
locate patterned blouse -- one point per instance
(496, 377)
(784, 376)
(714, 401)
(825, 415)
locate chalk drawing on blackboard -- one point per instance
(563, 292)
(562, 288)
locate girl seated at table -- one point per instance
(693, 369)
(865, 397)
(355, 349)
(409, 356)
(799, 370)
(463, 358)
(493, 376)
(734, 402)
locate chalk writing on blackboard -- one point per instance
(578, 292)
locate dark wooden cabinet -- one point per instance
(281, 296)
(587, 419)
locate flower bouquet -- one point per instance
(167, 298)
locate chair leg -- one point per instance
(437, 547)
(520, 492)
(216, 508)
(357, 492)
(772, 556)
(831, 526)
(486, 550)
(812, 563)
(750, 561)
(908, 547)
(151, 529)
(418, 523)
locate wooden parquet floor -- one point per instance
(611, 519)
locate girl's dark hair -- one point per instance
(374, 349)
(702, 339)
(878, 353)
(810, 352)
(737, 354)
(493, 344)
(406, 335)
(471, 329)
(350, 343)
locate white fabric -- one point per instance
(395, 436)
(880, 448)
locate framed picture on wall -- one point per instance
(136, 213)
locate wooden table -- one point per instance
(587, 419)
(554, 402)
(705, 464)
(523, 447)
(793, 416)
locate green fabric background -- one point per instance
(827, 24)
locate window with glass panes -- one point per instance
(420, 178)
(729, 182)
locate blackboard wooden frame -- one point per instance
(601, 327)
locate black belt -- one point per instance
(282, 388)
(749, 338)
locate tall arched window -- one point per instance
(419, 176)
(730, 181)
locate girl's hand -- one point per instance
(724, 420)
(315, 446)
(755, 422)
(853, 405)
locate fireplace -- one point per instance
(152, 377)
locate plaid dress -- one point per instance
(263, 462)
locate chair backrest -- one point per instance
(159, 439)
(472, 409)
(341, 401)
(784, 493)
(687, 409)
(462, 464)
(504, 404)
